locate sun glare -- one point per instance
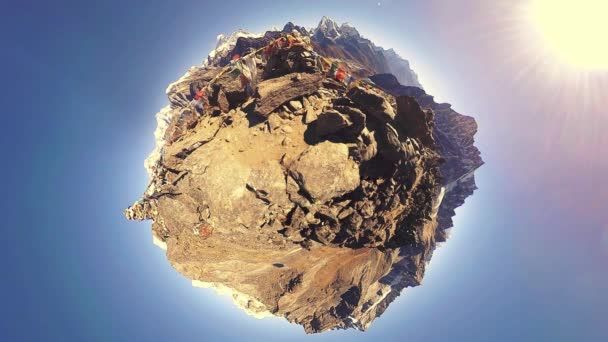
(576, 31)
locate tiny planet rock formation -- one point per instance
(307, 174)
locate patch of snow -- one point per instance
(450, 186)
(400, 68)
(159, 243)
(328, 27)
(385, 289)
(250, 305)
(438, 203)
(355, 323)
(163, 118)
(181, 79)
(348, 30)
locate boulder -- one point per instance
(413, 121)
(357, 117)
(331, 121)
(222, 101)
(389, 144)
(273, 93)
(367, 147)
(325, 171)
(372, 102)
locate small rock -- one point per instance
(274, 122)
(306, 103)
(284, 115)
(311, 115)
(325, 171)
(295, 105)
(223, 101)
(345, 213)
(311, 219)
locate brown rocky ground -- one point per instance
(305, 197)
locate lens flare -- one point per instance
(575, 31)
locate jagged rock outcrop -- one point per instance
(303, 194)
(345, 42)
(454, 134)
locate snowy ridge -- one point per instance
(163, 118)
(328, 27)
(401, 68)
(250, 305)
(181, 79)
(226, 44)
(347, 29)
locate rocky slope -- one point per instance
(454, 133)
(299, 192)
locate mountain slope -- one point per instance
(298, 193)
(455, 134)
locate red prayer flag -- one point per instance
(340, 74)
(199, 94)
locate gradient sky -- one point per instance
(81, 82)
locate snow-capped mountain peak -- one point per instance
(226, 44)
(347, 29)
(328, 28)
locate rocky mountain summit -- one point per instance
(329, 39)
(296, 173)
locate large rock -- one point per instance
(275, 92)
(372, 102)
(325, 171)
(331, 121)
(415, 122)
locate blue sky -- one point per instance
(82, 82)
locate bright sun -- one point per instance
(576, 31)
